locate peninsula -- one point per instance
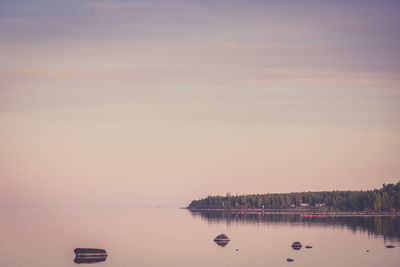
(383, 200)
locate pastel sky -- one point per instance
(122, 103)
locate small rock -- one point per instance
(89, 255)
(390, 246)
(289, 259)
(221, 237)
(367, 250)
(237, 249)
(296, 245)
(222, 240)
(308, 246)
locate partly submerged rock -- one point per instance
(222, 240)
(222, 237)
(89, 255)
(296, 245)
(390, 246)
(91, 251)
(308, 246)
(289, 259)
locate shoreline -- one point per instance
(311, 212)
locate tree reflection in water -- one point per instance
(385, 226)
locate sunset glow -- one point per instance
(141, 103)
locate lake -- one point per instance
(178, 237)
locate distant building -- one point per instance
(304, 205)
(320, 205)
(292, 205)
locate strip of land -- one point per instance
(383, 201)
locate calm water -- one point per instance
(176, 237)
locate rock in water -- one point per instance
(390, 246)
(222, 237)
(296, 245)
(91, 251)
(89, 255)
(308, 246)
(222, 240)
(289, 259)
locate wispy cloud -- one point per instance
(140, 92)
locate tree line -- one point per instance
(386, 198)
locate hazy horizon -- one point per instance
(122, 103)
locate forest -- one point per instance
(386, 199)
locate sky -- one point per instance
(137, 103)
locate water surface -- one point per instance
(177, 237)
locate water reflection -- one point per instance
(221, 243)
(89, 259)
(385, 226)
